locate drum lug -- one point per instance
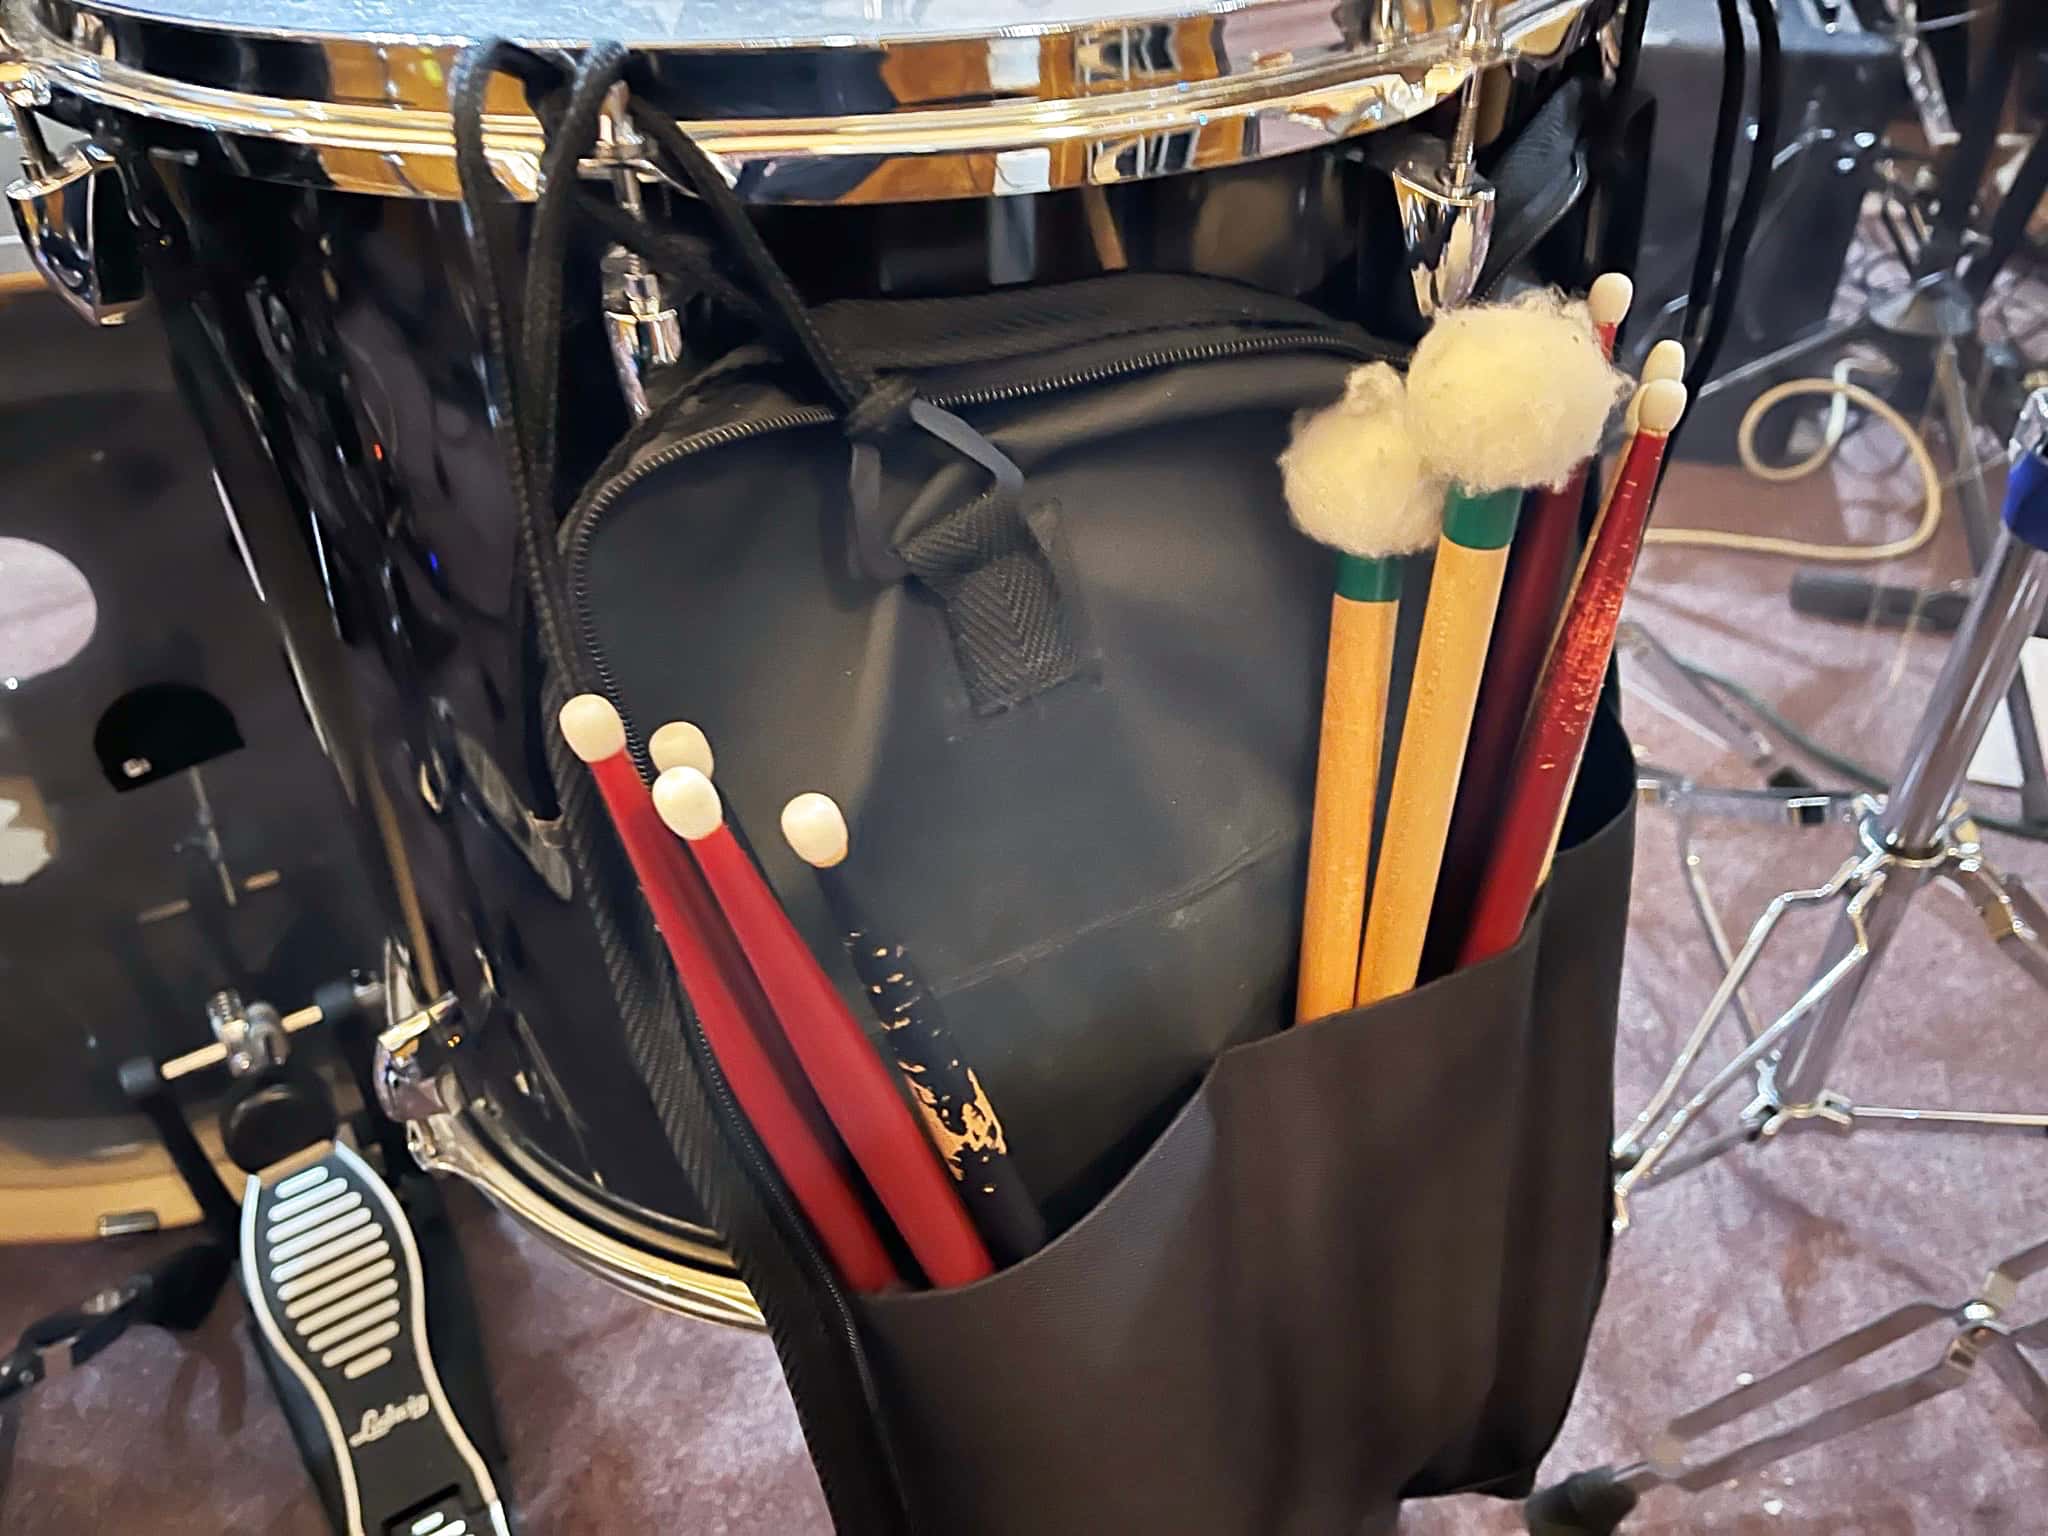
(415, 1085)
(1446, 208)
(72, 215)
(410, 1055)
(1446, 230)
(642, 326)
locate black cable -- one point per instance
(1721, 172)
(547, 248)
(679, 257)
(1860, 774)
(540, 560)
(1770, 103)
(1628, 64)
(2029, 186)
(745, 242)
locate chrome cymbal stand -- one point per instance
(1916, 833)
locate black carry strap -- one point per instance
(1010, 631)
(996, 584)
(517, 416)
(806, 1312)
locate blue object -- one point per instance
(2026, 499)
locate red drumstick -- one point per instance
(849, 1077)
(695, 933)
(1522, 632)
(1562, 716)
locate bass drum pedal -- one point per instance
(334, 1282)
(330, 1263)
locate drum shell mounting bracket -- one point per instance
(71, 212)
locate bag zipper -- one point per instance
(583, 528)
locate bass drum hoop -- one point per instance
(1243, 84)
(696, 1280)
(665, 1262)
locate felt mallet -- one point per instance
(1355, 482)
(691, 927)
(946, 1090)
(848, 1077)
(1561, 719)
(1500, 398)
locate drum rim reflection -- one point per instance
(1240, 84)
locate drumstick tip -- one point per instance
(1666, 361)
(680, 744)
(592, 727)
(1662, 402)
(815, 829)
(1610, 297)
(688, 804)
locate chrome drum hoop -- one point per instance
(448, 1133)
(1009, 110)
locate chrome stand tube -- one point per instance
(1916, 834)
(1983, 659)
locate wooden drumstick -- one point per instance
(1530, 606)
(1355, 482)
(1500, 397)
(1450, 658)
(948, 1093)
(690, 927)
(1568, 696)
(848, 1077)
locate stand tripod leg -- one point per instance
(1593, 1503)
(2010, 913)
(1732, 981)
(1710, 920)
(1828, 984)
(2020, 1378)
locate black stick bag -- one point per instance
(1011, 578)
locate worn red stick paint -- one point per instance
(1561, 717)
(1522, 633)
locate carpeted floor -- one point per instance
(621, 1419)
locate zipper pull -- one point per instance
(888, 403)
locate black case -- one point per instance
(1305, 1272)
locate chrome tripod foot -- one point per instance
(2011, 915)
(1978, 1333)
